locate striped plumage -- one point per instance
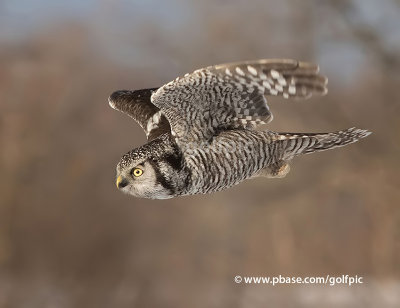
(201, 128)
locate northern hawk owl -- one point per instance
(201, 128)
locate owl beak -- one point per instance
(121, 182)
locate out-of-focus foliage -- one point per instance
(68, 238)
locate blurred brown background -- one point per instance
(68, 238)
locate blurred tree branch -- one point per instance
(366, 34)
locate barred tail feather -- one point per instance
(298, 143)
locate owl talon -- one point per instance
(276, 171)
(282, 171)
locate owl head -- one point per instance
(154, 170)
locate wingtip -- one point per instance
(111, 102)
(116, 94)
(113, 98)
(360, 133)
(365, 133)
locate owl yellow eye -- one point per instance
(137, 172)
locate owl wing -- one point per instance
(138, 106)
(232, 95)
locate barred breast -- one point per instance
(230, 158)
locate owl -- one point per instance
(202, 128)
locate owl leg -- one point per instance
(277, 170)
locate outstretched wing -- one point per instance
(138, 106)
(232, 95)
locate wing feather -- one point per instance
(138, 106)
(232, 95)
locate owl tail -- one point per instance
(298, 143)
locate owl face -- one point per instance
(156, 170)
(141, 179)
